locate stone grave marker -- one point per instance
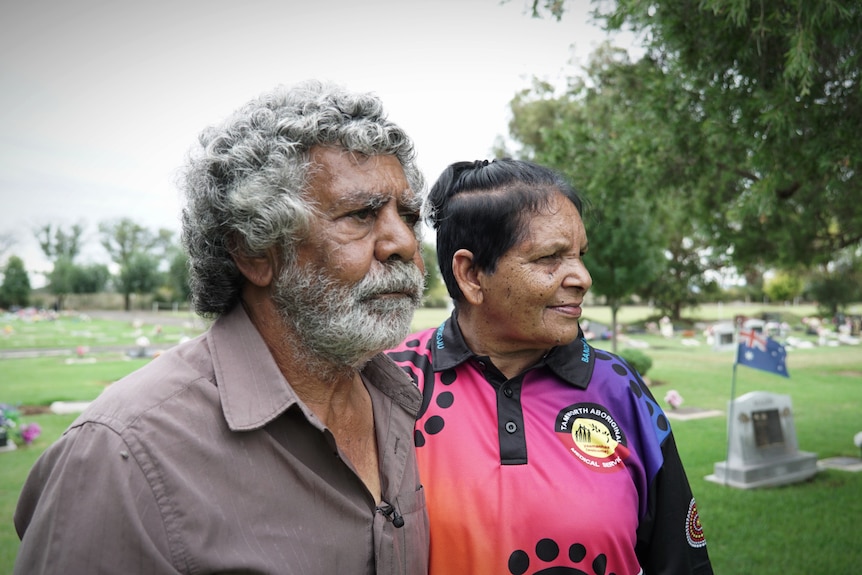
(762, 446)
(724, 337)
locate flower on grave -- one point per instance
(29, 432)
(673, 398)
(9, 418)
(12, 427)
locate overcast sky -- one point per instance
(101, 99)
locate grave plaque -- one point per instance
(762, 447)
(724, 336)
(754, 324)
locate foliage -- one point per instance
(57, 242)
(89, 278)
(178, 276)
(435, 294)
(61, 246)
(640, 361)
(15, 290)
(784, 286)
(139, 274)
(765, 97)
(835, 285)
(137, 252)
(754, 110)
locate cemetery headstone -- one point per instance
(724, 337)
(762, 446)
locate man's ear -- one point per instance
(467, 276)
(258, 270)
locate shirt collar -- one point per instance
(573, 363)
(253, 390)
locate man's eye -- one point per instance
(410, 218)
(364, 214)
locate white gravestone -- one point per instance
(724, 337)
(762, 446)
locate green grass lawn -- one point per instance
(803, 528)
(78, 329)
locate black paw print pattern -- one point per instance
(420, 364)
(641, 391)
(547, 550)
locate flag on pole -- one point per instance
(761, 352)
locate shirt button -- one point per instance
(511, 427)
(508, 392)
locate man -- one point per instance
(281, 440)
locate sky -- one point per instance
(100, 100)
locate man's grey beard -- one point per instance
(345, 325)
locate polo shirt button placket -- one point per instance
(511, 427)
(508, 392)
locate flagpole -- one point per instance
(730, 418)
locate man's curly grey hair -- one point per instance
(245, 183)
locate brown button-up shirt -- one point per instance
(205, 461)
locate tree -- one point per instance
(435, 294)
(61, 247)
(15, 290)
(613, 144)
(139, 275)
(90, 278)
(127, 242)
(767, 95)
(784, 286)
(178, 276)
(835, 285)
(57, 242)
(624, 255)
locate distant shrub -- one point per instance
(637, 359)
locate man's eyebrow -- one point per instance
(412, 201)
(362, 198)
(374, 200)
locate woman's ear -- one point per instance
(467, 276)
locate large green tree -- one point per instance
(138, 252)
(765, 98)
(15, 289)
(61, 245)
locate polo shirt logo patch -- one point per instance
(593, 436)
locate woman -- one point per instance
(536, 450)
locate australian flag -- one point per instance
(761, 352)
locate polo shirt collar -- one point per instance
(573, 363)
